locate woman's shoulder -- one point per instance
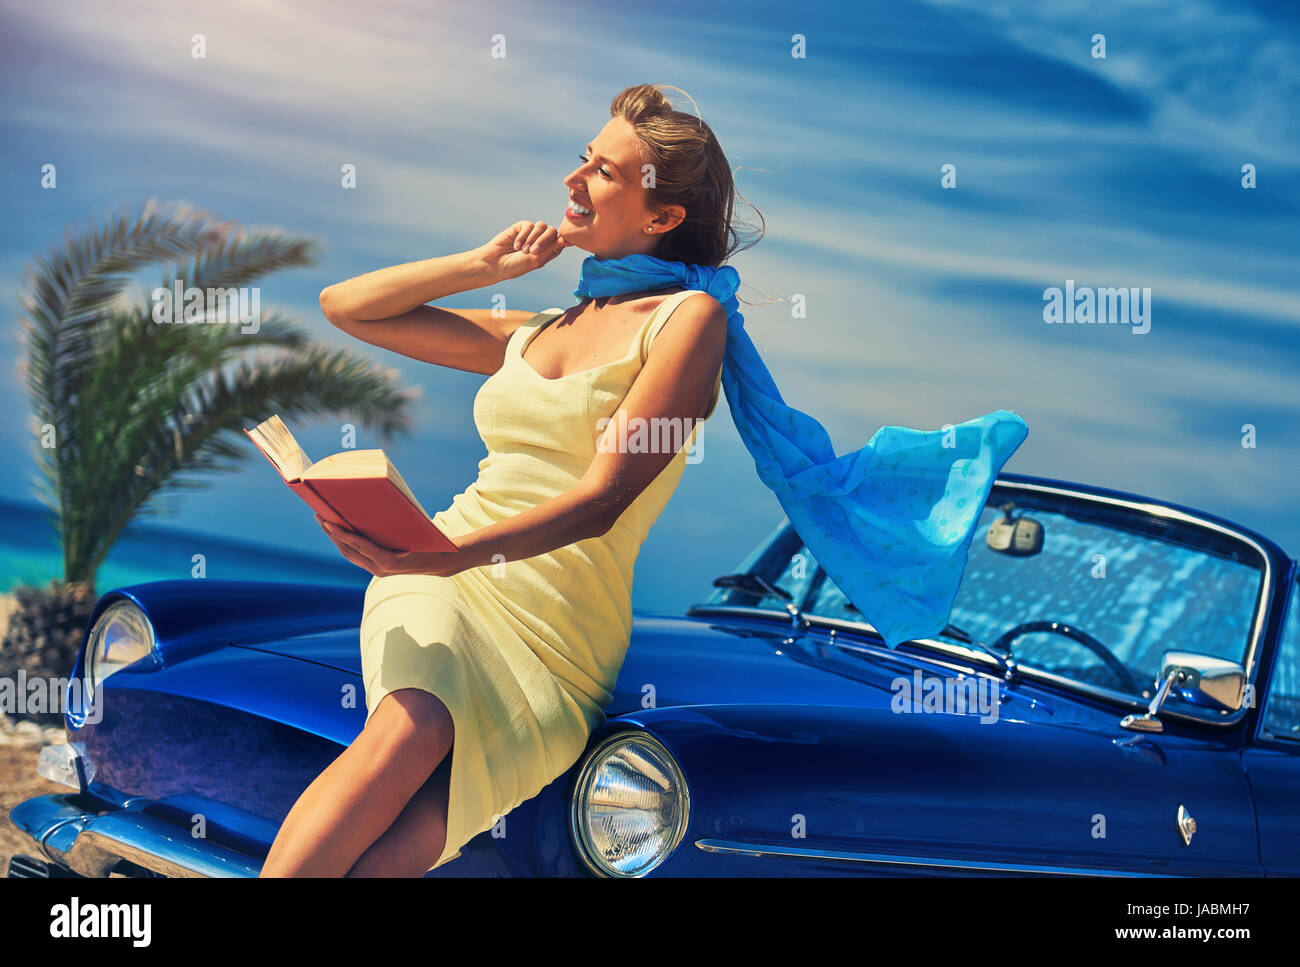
(703, 320)
(701, 308)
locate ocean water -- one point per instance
(30, 554)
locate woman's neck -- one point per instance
(605, 301)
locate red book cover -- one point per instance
(372, 506)
(317, 503)
(376, 508)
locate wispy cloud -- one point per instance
(1123, 171)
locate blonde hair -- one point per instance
(689, 170)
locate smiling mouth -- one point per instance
(577, 212)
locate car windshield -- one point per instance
(1137, 583)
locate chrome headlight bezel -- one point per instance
(590, 775)
(125, 630)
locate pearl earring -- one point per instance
(649, 229)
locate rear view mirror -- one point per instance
(1015, 536)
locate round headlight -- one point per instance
(630, 806)
(121, 636)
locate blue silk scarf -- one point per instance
(891, 523)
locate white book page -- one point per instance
(280, 446)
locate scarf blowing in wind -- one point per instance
(890, 523)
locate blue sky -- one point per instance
(924, 303)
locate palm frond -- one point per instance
(73, 287)
(185, 433)
(141, 408)
(243, 257)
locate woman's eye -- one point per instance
(603, 171)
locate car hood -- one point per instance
(675, 661)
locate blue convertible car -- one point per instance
(1118, 694)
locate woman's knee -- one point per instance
(412, 717)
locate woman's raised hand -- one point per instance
(521, 248)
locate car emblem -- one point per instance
(1186, 825)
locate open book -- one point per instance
(359, 489)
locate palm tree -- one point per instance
(136, 408)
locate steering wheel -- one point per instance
(1107, 656)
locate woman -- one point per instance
(487, 668)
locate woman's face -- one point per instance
(608, 184)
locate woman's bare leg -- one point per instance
(362, 792)
(414, 842)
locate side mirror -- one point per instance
(1201, 680)
(1205, 680)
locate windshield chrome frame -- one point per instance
(977, 658)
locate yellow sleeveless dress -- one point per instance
(524, 653)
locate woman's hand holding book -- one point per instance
(386, 561)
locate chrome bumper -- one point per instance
(92, 844)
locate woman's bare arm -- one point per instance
(387, 307)
(675, 383)
(473, 340)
